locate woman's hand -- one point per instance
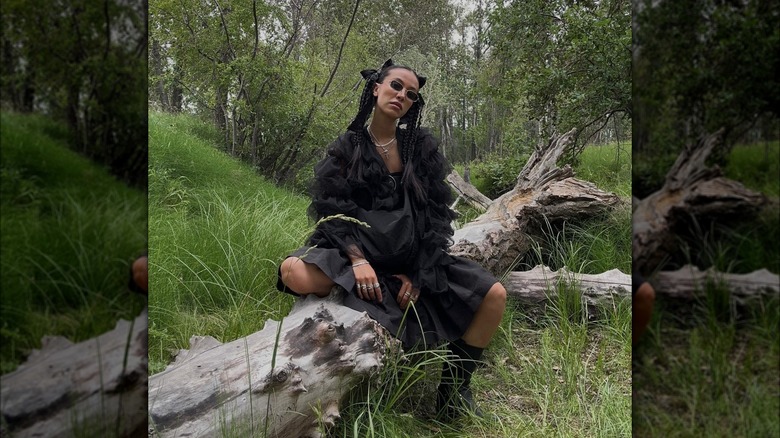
(407, 293)
(366, 282)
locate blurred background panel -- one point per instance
(706, 179)
(73, 164)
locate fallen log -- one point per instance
(256, 386)
(688, 282)
(92, 388)
(540, 284)
(691, 190)
(543, 193)
(468, 192)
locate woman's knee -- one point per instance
(289, 271)
(497, 296)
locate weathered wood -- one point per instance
(468, 192)
(539, 285)
(691, 190)
(93, 388)
(259, 387)
(543, 193)
(688, 282)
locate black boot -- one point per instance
(454, 394)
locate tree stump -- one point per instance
(93, 388)
(543, 193)
(257, 386)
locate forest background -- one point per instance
(280, 79)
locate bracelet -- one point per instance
(364, 262)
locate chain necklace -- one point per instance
(385, 151)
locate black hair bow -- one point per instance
(372, 74)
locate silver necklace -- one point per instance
(385, 151)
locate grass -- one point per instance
(218, 233)
(757, 166)
(708, 375)
(69, 234)
(608, 166)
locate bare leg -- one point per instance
(305, 278)
(487, 318)
(642, 308)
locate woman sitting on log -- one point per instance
(390, 175)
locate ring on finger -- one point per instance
(407, 295)
(370, 286)
(376, 284)
(363, 286)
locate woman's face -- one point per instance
(391, 102)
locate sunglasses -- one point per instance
(411, 95)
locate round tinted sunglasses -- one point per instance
(411, 95)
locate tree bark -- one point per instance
(97, 387)
(687, 283)
(543, 193)
(538, 285)
(257, 386)
(468, 192)
(691, 189)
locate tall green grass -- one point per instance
(217, 235)
(69, 233)
(757, 166)
(709, 374)
(608, 166)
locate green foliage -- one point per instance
(608, 166)
(87, 70)
(496, 175)
(757, 166)
(69, 234)
(568, 63)
(591, 247)
(737, 246)
(702, 65)
(212, 265)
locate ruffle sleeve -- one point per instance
(436, 236)
(331, 195)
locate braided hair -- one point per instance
(411, 120)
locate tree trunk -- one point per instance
(97, 387)
(543, 193)
(255, 386)
(693, 190)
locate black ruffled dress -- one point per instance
(405, 237)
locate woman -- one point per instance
(391, 177)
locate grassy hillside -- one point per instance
(69, 233)
(217, 235)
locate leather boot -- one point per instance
(454, 394)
